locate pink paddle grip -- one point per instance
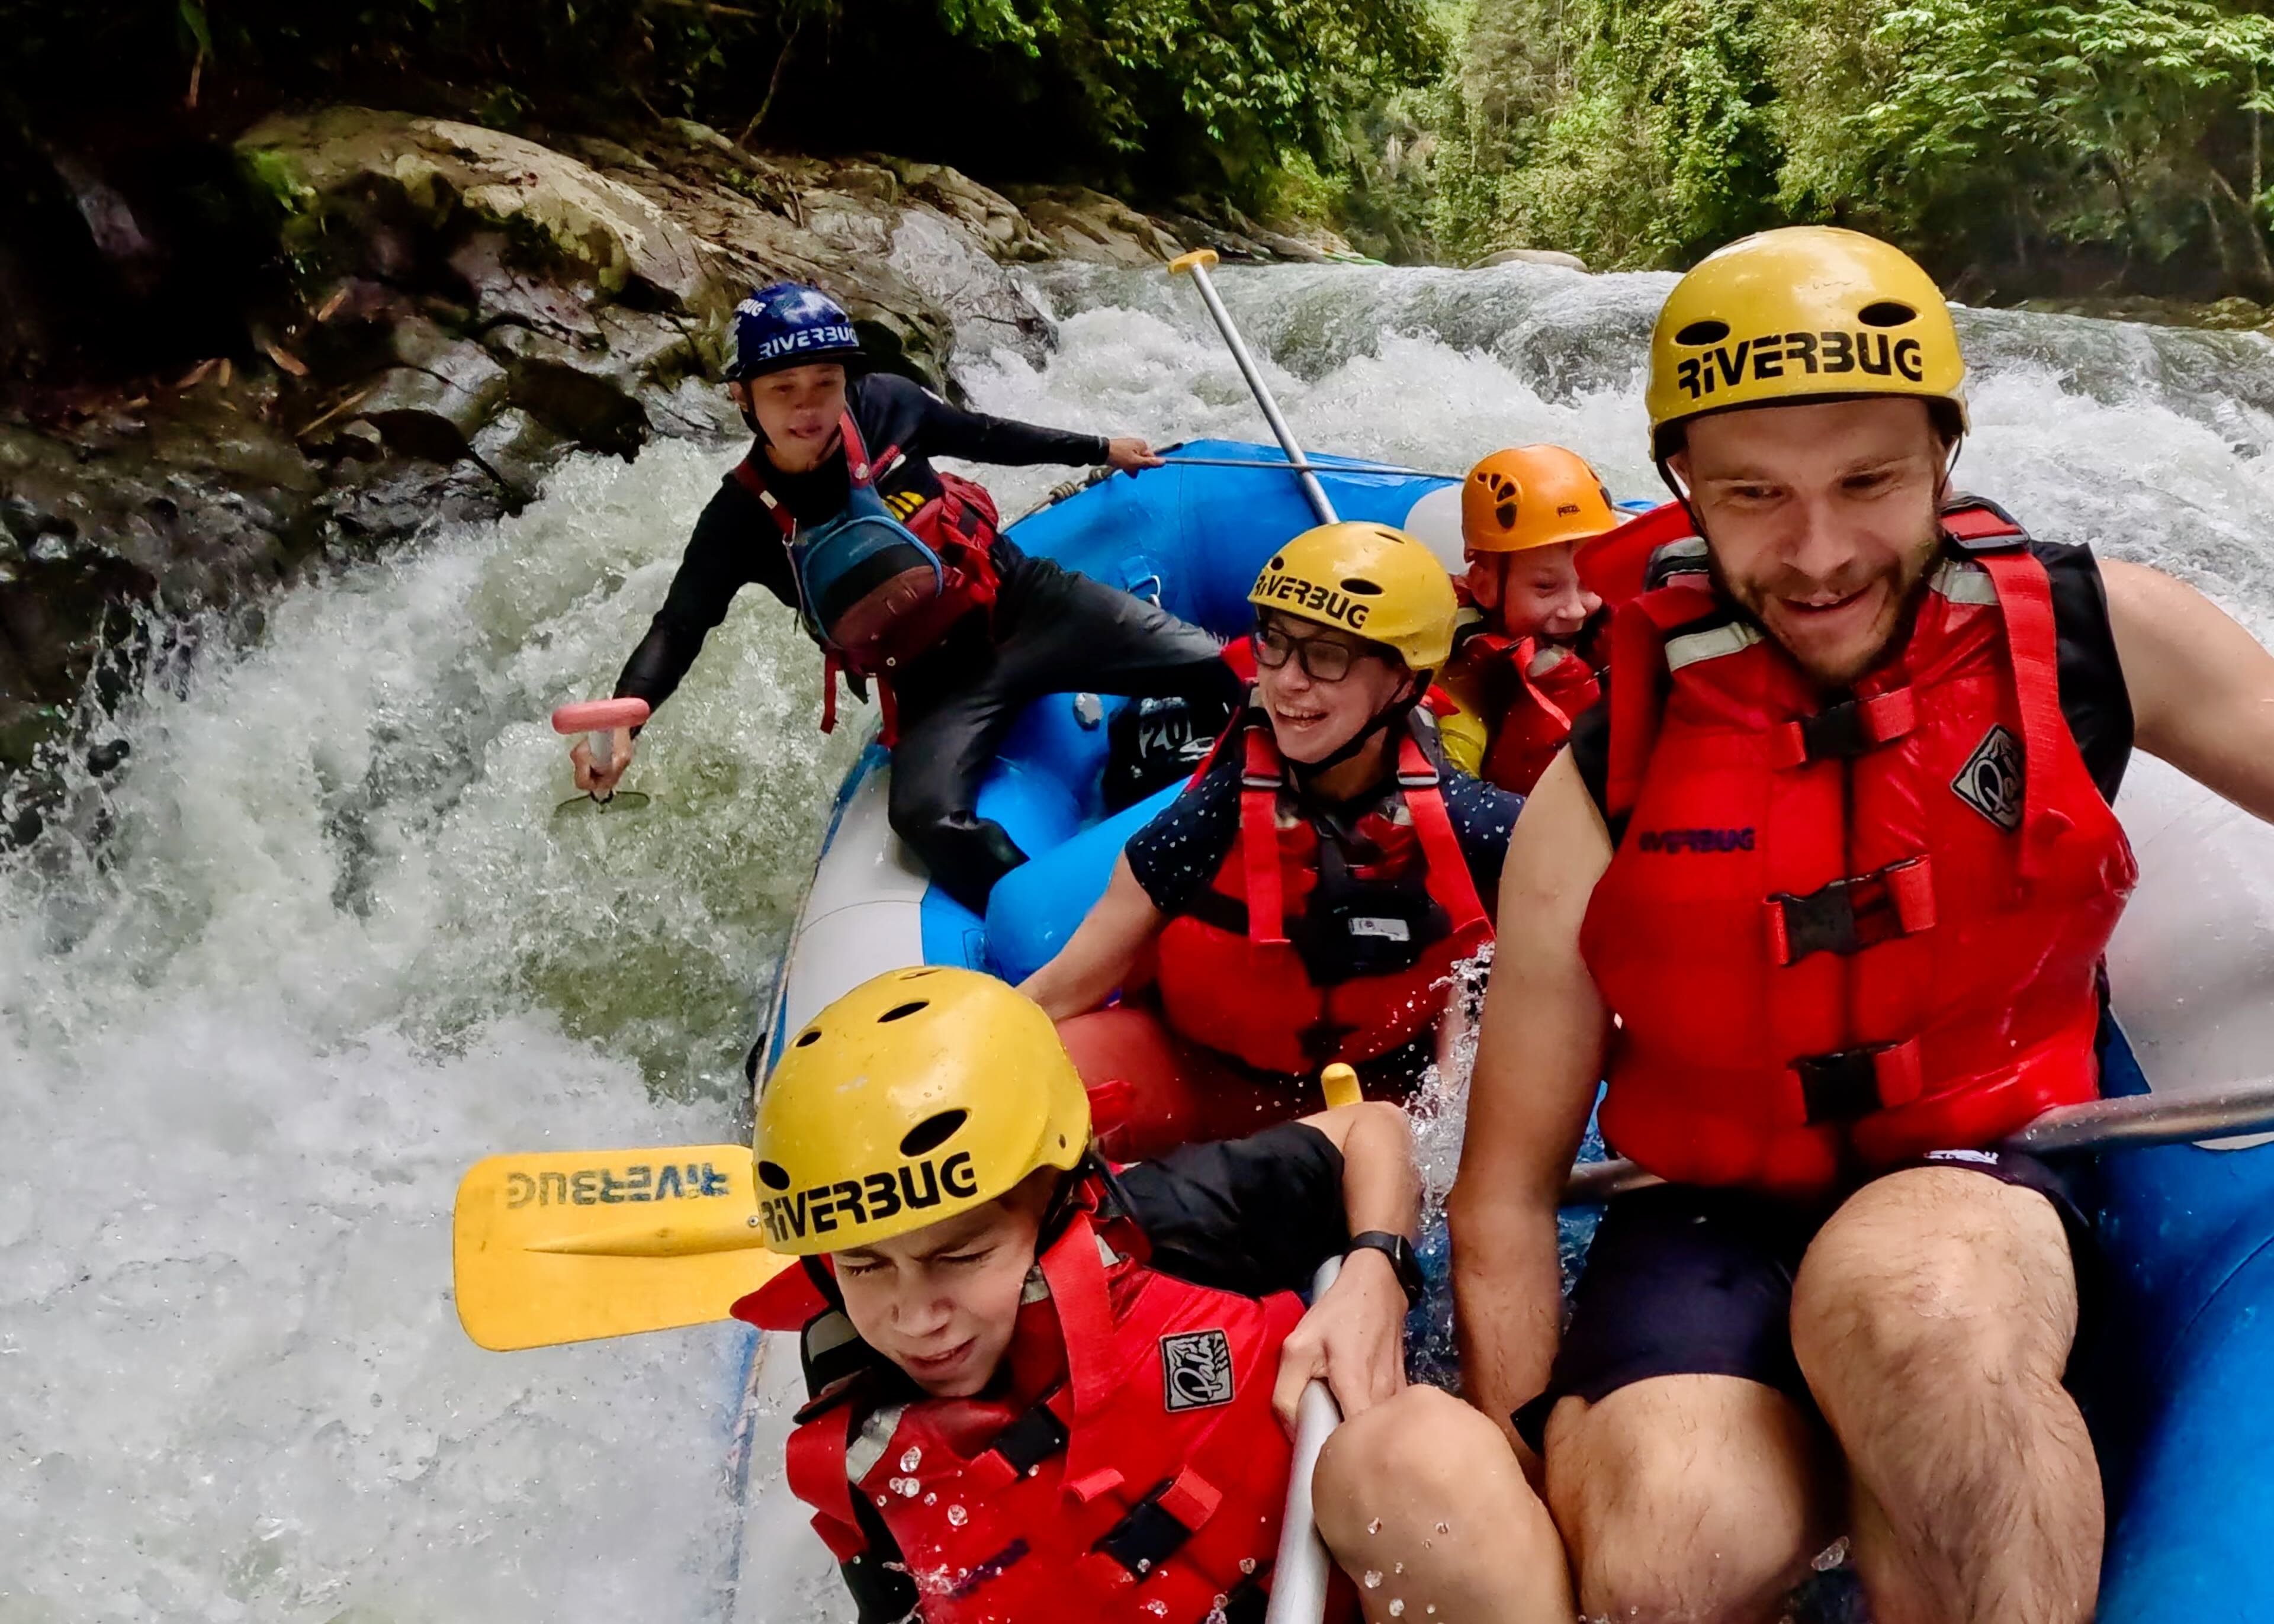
(599, 715)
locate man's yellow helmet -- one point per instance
(1369, 580)
(1804, 312)
(918, 1095)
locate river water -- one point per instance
(320, 943)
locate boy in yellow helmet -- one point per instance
(1526, 665)
(1307, 899)
(1045, 1389)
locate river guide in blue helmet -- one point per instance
(900, 572)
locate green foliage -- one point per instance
(2024, 143)
(1158, 95)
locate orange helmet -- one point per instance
(1532, 496)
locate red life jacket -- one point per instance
(959, 525)
(1855, 933)
(1537, 718)
(1231, 976)
(1133, 1473)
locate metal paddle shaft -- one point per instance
(2129, 1121)
(1195, 266)
(1298, 1578)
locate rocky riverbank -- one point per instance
(443, 312)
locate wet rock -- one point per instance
(359, 167)
(445, 312)
(519, 449)
(1082, 224)
(1530, 256)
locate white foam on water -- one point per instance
(322, 947)
(321, 943)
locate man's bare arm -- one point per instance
(1539, 1059)
(2201, 688)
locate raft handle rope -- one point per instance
(2128, 1122)
(1195, 266)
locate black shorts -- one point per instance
(1689, 1282)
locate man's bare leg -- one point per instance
(1424, 1495)
(1690, 1499)
(1933, 1317)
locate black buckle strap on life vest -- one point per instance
(1157, 1527)
(1669, 562)
(1031, 1440)
(1246, 1602)
(1849, 1084)
(1976, 524)
(1849, 916)
(1851, 728)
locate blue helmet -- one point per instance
(787, 324)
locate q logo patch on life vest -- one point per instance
(1195, 1370)
(1991, 782)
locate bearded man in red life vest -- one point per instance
(1838, 853)
(1527, 651)
(900, 573)
(1310, 897)
(1045, 1389)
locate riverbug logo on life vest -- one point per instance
(1992, 780)
(1677, 841)
(913, 1186)
(1827, 354)
(1336, 606)
(1195, 1370)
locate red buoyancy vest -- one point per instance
(961, 525)
(1133, 1474)
(1248, 993)
(1540, 708)
(1854, 933)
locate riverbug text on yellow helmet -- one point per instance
(1370, 580)
(918, 1095)
(1804, 312)
(1532, 496)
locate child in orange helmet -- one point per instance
(1522, 671)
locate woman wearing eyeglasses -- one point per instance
(1308, 897)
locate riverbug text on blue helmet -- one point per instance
(787, 324)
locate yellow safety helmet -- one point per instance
(1532, 496)
(1370, 580)
(1804, 312)
(918, 1095)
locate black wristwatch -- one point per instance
(1399, 1251)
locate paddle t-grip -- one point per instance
(598, 720)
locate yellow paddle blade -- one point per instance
(1339, 1083)
(563, 1246)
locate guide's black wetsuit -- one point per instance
(1052, 630)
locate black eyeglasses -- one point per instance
(1323, 659)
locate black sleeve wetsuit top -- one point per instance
(1252, 1216)
(737, 543)
(1051, 630)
